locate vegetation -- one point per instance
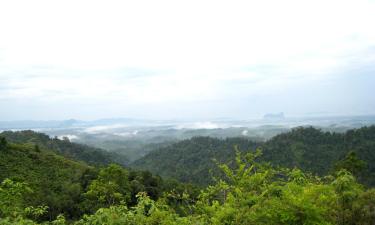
(250, 193)
(37, 186)
(318, 152)
(307, 148)
(192, 160)
(56, 181)
(65, 147)
(69, 187)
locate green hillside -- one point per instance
(307, 148)
(66, 148)
(192, 160)
(57, 182)
(37, 186)
(72, 188)
(315, 151)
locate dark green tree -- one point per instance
(352, 164)
(3, 143)
(110, 188)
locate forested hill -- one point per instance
(35, 177)
(305, 147)
(55, 181)
(66, 148)
(191, 160)
(37, 186)
(313, 150)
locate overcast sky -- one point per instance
(185, 59)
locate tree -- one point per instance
(3, 143)
(347, 191)
(36, 148)
(13, 208)
(12, 196)
(352, 164)
(364, 207)
(256, 193)
(110, 188)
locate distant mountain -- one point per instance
(275, 116)
(36, 124)
(58, 124)
(134, 138)
(319, 120)
(66, 148)
(306, 147)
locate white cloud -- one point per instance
(201, 125)
(180, 35)
(69, 136)
(103, 129)
(124, 54)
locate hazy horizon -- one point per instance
(307, 116)
(90, 60)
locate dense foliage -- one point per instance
(313, 150)
(192, 160)
(250, 193)
(38, 186)
(56, 181)
(307, 148)
(66, 148)
(69, 187)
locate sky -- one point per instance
(174, 59)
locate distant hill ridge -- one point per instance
(66, 148)
(306, 147)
